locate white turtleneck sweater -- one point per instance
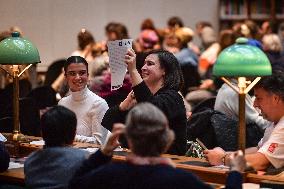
(90, 110)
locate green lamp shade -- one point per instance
(17, 50)
(241, 60)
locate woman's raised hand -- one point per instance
(130, 60)
(112, 141)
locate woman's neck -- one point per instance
(155, 87)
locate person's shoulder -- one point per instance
(226, 90)
(170, 173)
(64, 99)
(66, 150)
(34, 156)
(181, 178)
(170, 93)
(67, 154)
(111, 169)
(96, 98)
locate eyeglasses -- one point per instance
(80, 73)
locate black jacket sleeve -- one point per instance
(113, 115)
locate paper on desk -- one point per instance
(118, 149)
(14, 165)
(221, 167)
(117, 50)
(2, 138)
(91, 150)
(38, 142)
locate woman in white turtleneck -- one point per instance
(88, 107)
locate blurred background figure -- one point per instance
(85, 41)
(209, 86)
(281, 35)
(273, 49)
(187, 59)
(148, 38)
(206, 34)
(174, 23)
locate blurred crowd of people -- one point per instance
(196, 60)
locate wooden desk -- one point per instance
(207, 174)
(13, 176)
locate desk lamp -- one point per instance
(242, 60)
(15, 51)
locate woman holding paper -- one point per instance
(159, 83)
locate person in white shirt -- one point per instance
(227, 102)
(269, 93)
(88, 107)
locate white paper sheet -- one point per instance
(2, 138)
(14, 165)
(93, 150)
(38, 142)
(117, 50)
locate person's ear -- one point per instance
(164, 72)
(275, 98)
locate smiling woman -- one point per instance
(161, 79)
(88, 107)
(76, 73)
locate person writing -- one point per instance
(269, 93)
(148, 135)
(88, 107)
(158, 84)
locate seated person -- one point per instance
(227, 102)
(54, 165)
(269, 94)
(148, 135)
(159, 83)
(88, 107)
(4, 157)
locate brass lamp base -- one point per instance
(17, 136)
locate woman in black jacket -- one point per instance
(159, 83)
